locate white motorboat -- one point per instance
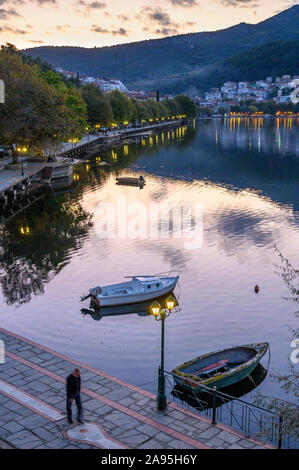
(138, 289)
(62, 167)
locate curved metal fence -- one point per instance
(251, 420)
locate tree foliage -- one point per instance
(36, 112)
(122, 107)
(186, 105)
(289, 381)
(99, 108)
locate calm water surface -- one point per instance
(244, 173)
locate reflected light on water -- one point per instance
(245, 174)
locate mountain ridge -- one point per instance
(156, 59)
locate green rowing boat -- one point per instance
(220, 368)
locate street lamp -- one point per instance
(160, 314)
(20, 150)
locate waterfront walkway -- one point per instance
(9, 178)
(117, 415)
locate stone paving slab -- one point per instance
(123, 412)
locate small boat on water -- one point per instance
(221, 368)
(127, 180)
(138, 289)
(62, 167)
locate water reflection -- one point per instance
(246, 177)
(239, 154)
(36, 245)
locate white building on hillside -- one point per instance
(110, 85)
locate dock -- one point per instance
(117, 415)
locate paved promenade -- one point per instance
(117, 415)
(9, 178)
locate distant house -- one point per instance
(110, 85)
(88, 80)
(67, 74)
(261, 84)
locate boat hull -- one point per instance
(134, 299)
(224, 379)
(113, 299)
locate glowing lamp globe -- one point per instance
(156, 307)
(170, 302)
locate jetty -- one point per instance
(117, 415)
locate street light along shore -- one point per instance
(161, 314)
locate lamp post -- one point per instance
(161, 314)
(20, 150)
(24, 150)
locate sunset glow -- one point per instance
(87, 23)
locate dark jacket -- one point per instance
(73, 385)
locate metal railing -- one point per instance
(251, 420)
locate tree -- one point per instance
(222, 110)
(99, 108)
(140, 110)
(122, 106)
(35, 113)
(186, 105)
(172, 106)
(72, 96)
(289, 382)
(206, 111)
(252, 109)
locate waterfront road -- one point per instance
(117, 415)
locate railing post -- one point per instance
(214, 406)
(280, 432)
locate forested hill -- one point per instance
(147, 63)
(273, 59)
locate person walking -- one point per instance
(73, 387)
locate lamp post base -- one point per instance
(161, 397)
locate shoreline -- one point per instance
(266, 116)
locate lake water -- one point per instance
(243, 173)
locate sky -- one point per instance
(90, 23)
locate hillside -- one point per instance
(273, 59)
(149, 63)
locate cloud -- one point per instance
(5, 14)
(240, 3)
(120, 32)
(113, 32)
(166, 31)
(98, 29)
(158, 21)
(88, 8)
(9, 29)
(35, 41)
(123, 17)
(157, 15)
(92, 5)
(12, 2)
(62, 27)
(184, 3)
